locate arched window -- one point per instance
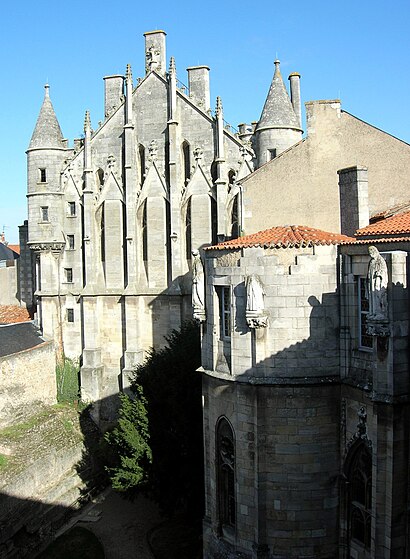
(231, 178)
(100, 178)
(225, 459)
(235, 218)
(102, 235)
(186, 155)
(188, 231)
(359, 476)
(144, 235)
(141, 153)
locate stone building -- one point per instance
(306, 390)
(114, 219)
(301, 185)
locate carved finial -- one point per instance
(219, 109)
(87, 122)
(172, 68)
(153, 150)
(47, 93)
(128, 73)
(277, 66)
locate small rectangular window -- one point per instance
(43, 175)
(272, 153)
(70, 315)
(365, 341)
(69, 275)
(70, 242)
(44, 213)
(225, 312)
(72, 210)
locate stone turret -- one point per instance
(279, 126)
(45, 155)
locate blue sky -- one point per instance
(354, 50)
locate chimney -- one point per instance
(245, 131)
(155, 59)
(198, 83)
(294, 79)
(114, 92)
(354, 199)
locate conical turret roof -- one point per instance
(47, 133)
(278, 110)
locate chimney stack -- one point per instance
(114, 91)
(198, 83)
(155, 58)
(294, 79)
(354, 199)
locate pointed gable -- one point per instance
(47, 132)
(278, 111)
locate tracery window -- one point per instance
(360, 495)
(225, 449)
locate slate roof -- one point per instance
(288, 236)
(19, 337)
(6, 253)
(47, 132)
(278, 110)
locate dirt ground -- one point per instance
(121, 525)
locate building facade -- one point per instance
(113, 220)
(306, 390)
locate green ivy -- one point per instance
(68, 385)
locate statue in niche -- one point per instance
(377, 279)
(198, 287)
(153, 59)
(255, 307)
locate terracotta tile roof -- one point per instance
(10, 314)
(287, 236)
(14, 248)
(396, 225)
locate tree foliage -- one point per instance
(159, 434)
(130, 441)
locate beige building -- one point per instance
(301, 184)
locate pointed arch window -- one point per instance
(141, 153)
(100, 178)
(186, 156)
(144, 231)
(102, 235)
(225, 459)
(359, 475)
(235, 218)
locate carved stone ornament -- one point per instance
(153, 151)
(198, 154)
(51, 246)
(153, 61)
(361, 432)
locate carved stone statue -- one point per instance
(198, 287)
(377, 279)
(255, 306)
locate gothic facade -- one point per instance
(114, 219)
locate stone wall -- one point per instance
(27, 378)
(8, 286)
